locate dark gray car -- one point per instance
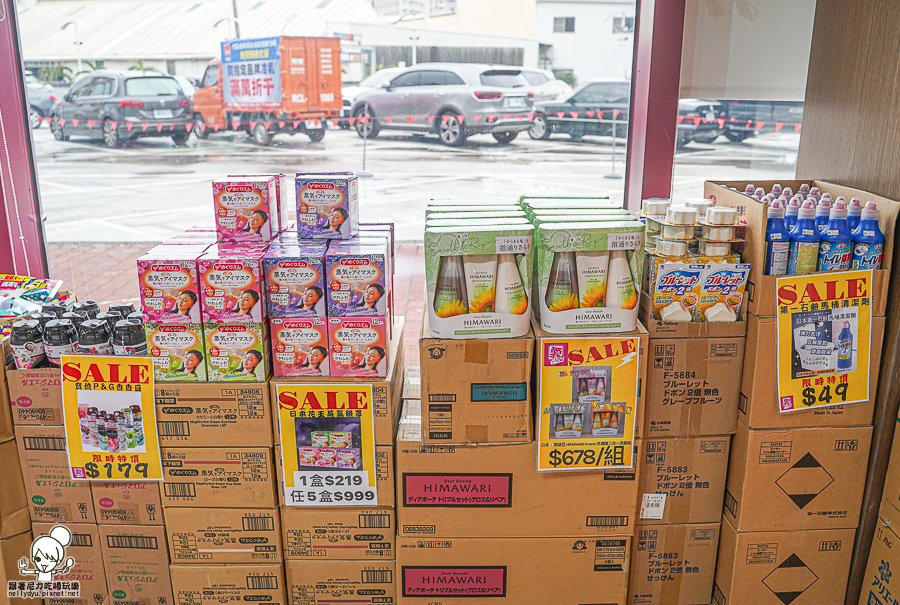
(117, 106)
(41, 97)
(452, 100)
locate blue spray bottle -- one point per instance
(854, 210)
(778, 241)
(776, 189)
(804, 190)
(815, 192)
(790, 213)
(804, 251)
(845, 348)
(787, 192)
(749, 189)
(868, 241)
(836, 248)
(823, 209)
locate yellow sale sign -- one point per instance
(824, 335)
(327, 437)
(110, 419)
(588, 390)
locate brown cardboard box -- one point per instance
(761, 288)
(341, 533)
(674, 564)
(384, 475)
(693, 386)
(689, 329)
(783, 567)
(518, 571)
(53, 496)
(136, 564)
(412, 383)
(216, 584)
(35, 395)
(386, 392)
(88, 568)
(884, 557)
(890, 498)
(6, 416)
(223, 535)
(214, 414)
(218, 477)
(641, 332)
(759, 385)
(497, 491)
(358, 582)
(14, 515)
(797, 478)
(127, 503)
(12, 549)
(690, 471)
(476, 390)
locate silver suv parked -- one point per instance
(452, 100)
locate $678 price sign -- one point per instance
(596, 457)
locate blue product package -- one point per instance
(357, 280)
(295, 280)
(327, 205)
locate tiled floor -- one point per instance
(106, 273)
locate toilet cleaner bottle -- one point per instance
(868, 241)
(778, 241)
(835, 249)
(804, 250)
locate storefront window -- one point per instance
(743, 82)
(513, 100)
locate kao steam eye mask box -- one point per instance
(327, 205)
(359, 346)
(478, 280)
(237, 352)
(177, 352)
(295, 280)
(283, 198)
(586, 276)
(245, 208)
(357, 279)
(299, 346)
(231, 284)
(169, 290)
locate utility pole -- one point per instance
(74, 24)
(237, 30)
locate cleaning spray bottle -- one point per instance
(836, 246)
(854, 210)
(790, 213)
(823, 210)
(868, 241)
(778, 241)
(804, 251)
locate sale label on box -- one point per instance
(327, 438)
(824, 329)
(110, 418)
(588, 391)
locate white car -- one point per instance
(545, 85)
(349, 93)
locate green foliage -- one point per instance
(567, 77)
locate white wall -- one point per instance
(592, 50)
(753, 51)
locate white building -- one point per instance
(588, 38)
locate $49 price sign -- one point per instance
(347, 488)
(598, 457)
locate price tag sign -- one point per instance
(110, 419)
(327, 438)
(588, 389)
(653, 506)
(824, 336)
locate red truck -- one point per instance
(264, 86)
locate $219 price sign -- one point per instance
(110, 419)
(325, 489)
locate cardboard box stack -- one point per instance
(795, 478)
(346, 550)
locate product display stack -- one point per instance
(817, 294)
(488, 492)
(694, 286)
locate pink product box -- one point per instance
(232, 284)
(359, 346)
(283, 194)
(246, 209)
(168, 284)
(299, 346)
(331, 457)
